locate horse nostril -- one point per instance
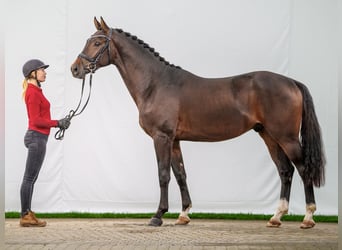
(74, 69)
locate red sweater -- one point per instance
(38, 110)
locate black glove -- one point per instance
(64, 123)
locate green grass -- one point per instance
(222, 216)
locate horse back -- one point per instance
(223, 108)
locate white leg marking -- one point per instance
(186, 212)
(282, 209)
(308, 222)
(183, 217)
(310, 209)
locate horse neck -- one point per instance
(137, 67)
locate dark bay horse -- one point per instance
(176, 105)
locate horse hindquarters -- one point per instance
(307, 154)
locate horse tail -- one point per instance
(311, 141)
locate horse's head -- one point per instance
(96, 53)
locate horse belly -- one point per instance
(213, 127)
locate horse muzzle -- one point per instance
(78, 70)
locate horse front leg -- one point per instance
(179, 172)
(162, 145)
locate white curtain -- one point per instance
(106, 163)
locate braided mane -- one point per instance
(147, 47)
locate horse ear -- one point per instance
(97, 24)
(104, 26)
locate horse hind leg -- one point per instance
(179, 172)
(285, 170)
(294, 152)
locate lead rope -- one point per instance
(72, 113)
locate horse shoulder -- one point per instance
(160, 112)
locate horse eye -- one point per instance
(97, 43)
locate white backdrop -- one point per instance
(106, 163)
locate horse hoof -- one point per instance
(155, 222)
(273, 223)
(182, 220)
(306, 224)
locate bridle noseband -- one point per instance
(93, 60)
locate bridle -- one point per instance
(91, 67)
(93, 60)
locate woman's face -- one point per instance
(41, 75)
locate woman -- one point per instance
(36, 137)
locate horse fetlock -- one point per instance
(185, 212)
(283, 208)
(283, 211)
(311, 207)
(308, 221)
(186, 206)
(164, 210)
(161, 211)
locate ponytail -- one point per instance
(31, 77)
(25, 85)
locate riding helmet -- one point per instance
(32, 65)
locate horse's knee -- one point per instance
(164, 176)
(164, 180)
